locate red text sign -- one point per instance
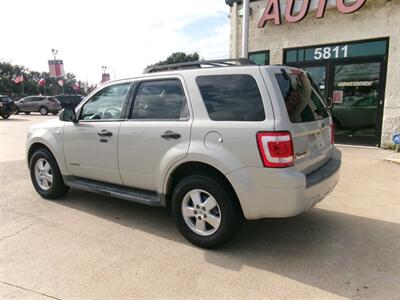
(272, 10)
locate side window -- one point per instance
(107, 104)
(36, 99)
(160, 100)
(231, 97)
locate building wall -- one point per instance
(377, 18)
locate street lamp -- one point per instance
(104, 69)
(54, 52)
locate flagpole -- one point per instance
(23, 85)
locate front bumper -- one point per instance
(279, 193)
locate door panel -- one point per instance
(90, 146)
(143, 153)
(89, 155)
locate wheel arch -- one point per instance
(198, 168)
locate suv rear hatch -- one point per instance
(305, 115)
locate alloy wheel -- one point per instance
(43, 174)
(201, 212)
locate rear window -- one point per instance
(231, 97)
(302, 101)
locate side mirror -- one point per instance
(68, 115)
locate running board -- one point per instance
(117, 191)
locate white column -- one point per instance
(245, 34)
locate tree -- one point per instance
(178, 57)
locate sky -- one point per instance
(126, 35)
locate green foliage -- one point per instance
(178, 57)
(30, 85)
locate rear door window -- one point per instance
(303, 103)
(231, 97)
(160, 100)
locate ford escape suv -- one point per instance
(213, 141)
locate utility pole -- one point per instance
(245, 31)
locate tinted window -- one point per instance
(107, 104)
(302, 102)
(231, 97)
(161, 99)
(36, 99)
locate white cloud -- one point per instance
(128, 35)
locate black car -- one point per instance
(70, 101)
(7, 107)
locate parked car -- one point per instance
(212, 144)
(70, 101)
(7, 107)
(42, 104)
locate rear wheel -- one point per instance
(43, 111)
(204, 211)
(46, 176)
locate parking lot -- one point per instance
(94, 247)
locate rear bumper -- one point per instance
(278, 193)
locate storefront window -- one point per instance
(260, 58)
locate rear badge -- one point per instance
(301, 154)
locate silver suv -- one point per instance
(213, 141)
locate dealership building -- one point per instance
(350, 48)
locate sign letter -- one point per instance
(271, 12)
(347, 9)
(300, 16)
(321, 9)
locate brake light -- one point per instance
(332, 126)
(276, 149)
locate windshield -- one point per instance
(302, 101)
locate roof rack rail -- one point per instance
(200, 64)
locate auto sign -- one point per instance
(396, 138)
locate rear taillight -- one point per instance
(276, 149)
(332, 126)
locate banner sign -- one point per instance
(56, 68)
(105, 77)
(274, 9)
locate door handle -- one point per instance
(170, 135)
(105, 132)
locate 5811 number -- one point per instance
(330, 52)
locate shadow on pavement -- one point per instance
(340, 253)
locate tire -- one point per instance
(229, 217)
(27, 112)
(56, 188)
(43, 111)
(5, 115)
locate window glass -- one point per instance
(303, 103)
(231, 97)
(160, 100)
(36, 99)
(107, 104)
(260, 58)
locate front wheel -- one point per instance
(46, 176)
(204, 211)
(43, 111)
